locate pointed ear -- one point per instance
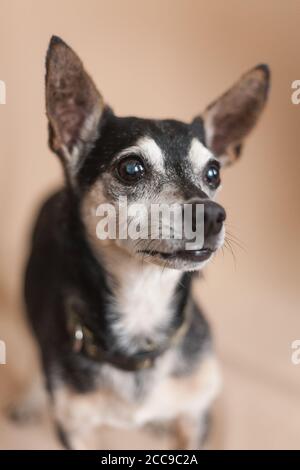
(229, 119)
(73, 104)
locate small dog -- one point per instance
(122, 342)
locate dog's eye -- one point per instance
(212, 175)
(130, 169)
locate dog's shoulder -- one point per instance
(50, 217)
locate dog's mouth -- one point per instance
(185, 255)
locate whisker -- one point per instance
(228, 245)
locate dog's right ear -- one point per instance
(230, 118)
(73, 104)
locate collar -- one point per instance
(83, 342)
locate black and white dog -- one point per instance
(122, 342)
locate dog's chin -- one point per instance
(184, 260)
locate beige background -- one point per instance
(170, 59)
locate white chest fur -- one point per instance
(143, 303)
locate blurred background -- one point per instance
(170, 58)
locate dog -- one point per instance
(122, 342)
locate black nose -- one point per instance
(214, 216)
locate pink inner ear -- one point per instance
(69, 121)
(71, 98)
(232, 117)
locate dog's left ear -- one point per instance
(229, 119)
(73, 104)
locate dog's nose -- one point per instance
(214, 216)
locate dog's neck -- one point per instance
(145, 300)
(143, 306)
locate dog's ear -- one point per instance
(73, 104)
(229, 119)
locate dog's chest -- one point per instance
(142, 307)
(120, 403)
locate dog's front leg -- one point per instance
(72, 420)
(70, 440)
(190, 432)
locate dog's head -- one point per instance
(146, 185)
